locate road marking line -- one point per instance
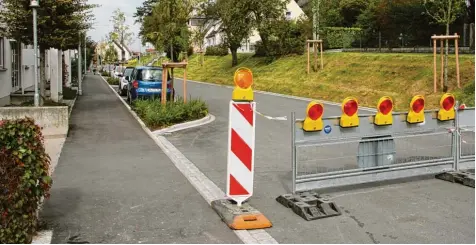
(282, 95)
(207, 189)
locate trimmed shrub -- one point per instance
(24, 182)
(113, 81)
(340, 37)
(217, 50)
(105, 74)
(156, 116)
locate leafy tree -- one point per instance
(236, 22)
(121, 32)
(111, 55)
(267, 14)
(144, 10)
(166, 26)
(351, 9)
(444, 12)
(59, 25)
(285, 37)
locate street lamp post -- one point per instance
(35, 4)
(80, 86)
(85, 60)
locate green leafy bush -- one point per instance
(217, 50)
(286, 37)
(25, 181)
(105, 74)
(113, 81)
(156, 116)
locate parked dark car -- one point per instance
(146, 82)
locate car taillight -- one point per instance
(135, 84)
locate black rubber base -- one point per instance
(461, 177)
(309, 205)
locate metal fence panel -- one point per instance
(466, 121)
(367, 153)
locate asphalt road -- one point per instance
(113, 184)
(422, 211)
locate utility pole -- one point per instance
(35, 4)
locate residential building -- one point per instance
(103, 45)
(16, 69)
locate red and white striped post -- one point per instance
(241, 145)
(241, 139)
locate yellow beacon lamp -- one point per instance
(447, 110)
(349, 117)
(313, 121)
(243, 80)
(417, 110)
(384, 111)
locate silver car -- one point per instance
(124, 80)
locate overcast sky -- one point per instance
(103, 15)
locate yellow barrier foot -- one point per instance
(240, 218)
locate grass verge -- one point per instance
(366, 76)
(156, 116)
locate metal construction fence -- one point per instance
(340, 156)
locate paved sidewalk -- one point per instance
(113, 184)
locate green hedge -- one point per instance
(340, 37)
(24, 182)
(217, 50)
(156, 116)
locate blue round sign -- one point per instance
(327, 129)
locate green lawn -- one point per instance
(363, 75)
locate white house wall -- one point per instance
(6, 75)
(28, 68)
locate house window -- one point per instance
(288, 15)
(2, 53)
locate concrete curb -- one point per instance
(283, 95)
(207, 189)
(208, 119)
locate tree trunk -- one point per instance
(471, 36)
(445, 84)
(265, 43)
(42, 75)
(234, 55)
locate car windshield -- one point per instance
(151, 75)
(119, 69)
(128, 72)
